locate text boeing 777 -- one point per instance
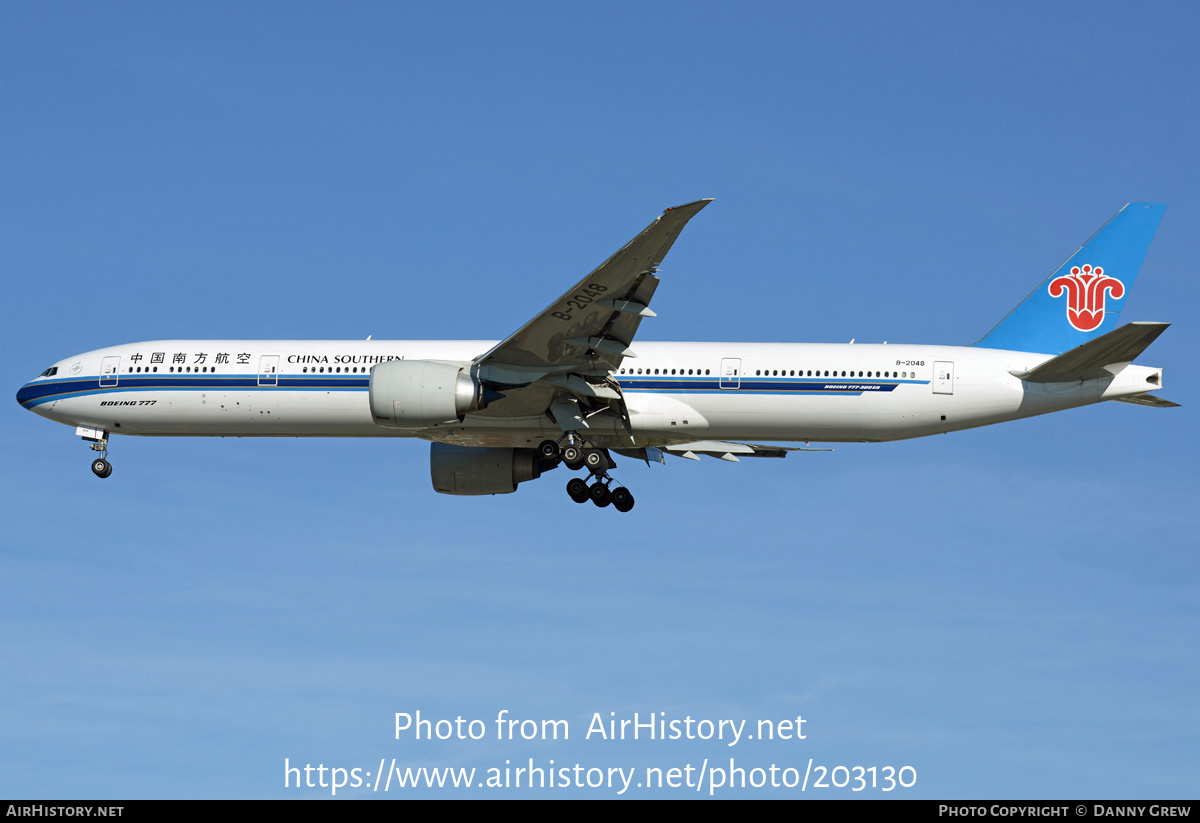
(568, 387)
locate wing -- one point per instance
(562, 359)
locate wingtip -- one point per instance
(693, 206)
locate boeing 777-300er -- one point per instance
(568, 387)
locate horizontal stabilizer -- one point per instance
(1106, 355)
(731, 451)
(1146, 399)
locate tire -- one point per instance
(548, 450)
(622, 499)
(572, 454)
(577, 490)
(101, 467)
(596, 461)
(600, 495)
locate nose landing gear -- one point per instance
(98, 440)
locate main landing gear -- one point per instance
(602, 490)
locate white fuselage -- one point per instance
(675, 392)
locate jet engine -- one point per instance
(413, 394)
(478, 470)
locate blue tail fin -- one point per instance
(1084, 296)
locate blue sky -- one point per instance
(1011, 611)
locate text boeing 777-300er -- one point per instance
(568, 387)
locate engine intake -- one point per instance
(477, 470)
(414, 394)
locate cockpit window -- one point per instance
(50, 372)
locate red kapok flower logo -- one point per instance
(1085, 289)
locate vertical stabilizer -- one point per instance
(1084, 296)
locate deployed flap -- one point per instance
(731, 451)
(590, 327)
(1145, 399)
(1105, 355)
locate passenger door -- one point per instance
(268, 370)
(110, 367)
(731, 373)
(943, 377)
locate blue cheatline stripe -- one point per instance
(45, 391)
(760, 386)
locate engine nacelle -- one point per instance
(413, 394)
(470, 470)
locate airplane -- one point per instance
(570, 388)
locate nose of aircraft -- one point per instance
(32, 396)
(25, 395)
